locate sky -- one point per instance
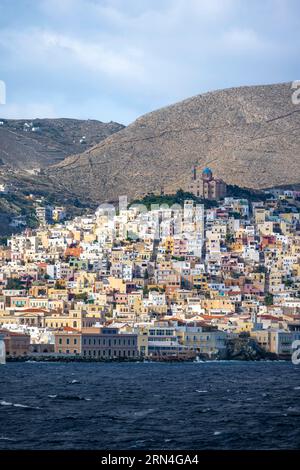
(114, 60)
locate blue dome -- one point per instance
(207, 171)
(207, 174)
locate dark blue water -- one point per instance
(217, 405)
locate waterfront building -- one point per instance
(186, 282)
(16, 344)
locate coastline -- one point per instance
(72, 359)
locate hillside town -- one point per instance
(170, 282)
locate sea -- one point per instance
(162, 406)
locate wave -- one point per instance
(18, 405)
(69, 397)
(204, 410)
(293, 411)
(142, 413)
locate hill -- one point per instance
(249, 136)
(28, 144)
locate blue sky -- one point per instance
(118, 59)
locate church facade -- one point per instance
(204, 185)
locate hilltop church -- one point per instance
(204, 185)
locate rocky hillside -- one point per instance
(28, 144)
(249, 136)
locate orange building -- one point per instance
(73, 251)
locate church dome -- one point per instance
(207, 173)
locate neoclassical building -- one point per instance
(204, 185)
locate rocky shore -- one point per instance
(245, 349)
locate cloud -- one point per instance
(134, 56)
(245, 40)
(57, 51)
(27, 110)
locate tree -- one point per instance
(269, 299)
(146, 274)
(82, 296)
(14, 284)
(145, 291)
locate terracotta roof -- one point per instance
(32, 310)
(67, 329)
(270, 317)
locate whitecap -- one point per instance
(296, 388)
(19, 405)
(201, 391)
(217, 433)
(143, 412)
(5, 403)
(52, 396)
(293, 411)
